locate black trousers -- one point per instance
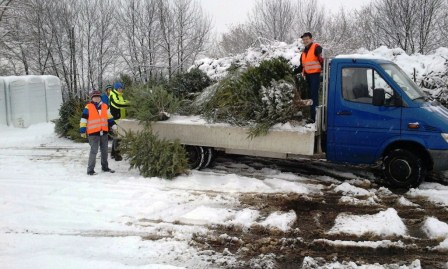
(115, 147)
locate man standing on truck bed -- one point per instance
(311, 63)
(118, 110)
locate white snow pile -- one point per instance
(217, 68)
(245, 217)
(280, 220)
(311, 263)
(355, 195)
(364, 244)
(435, 228)
(348, 189)
(431, 71)
(384, 223)
(433, 192)
(405, 202)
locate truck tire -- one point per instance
(196, 156)
(208, 156)
(404, 169)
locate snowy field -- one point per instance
(242, 213)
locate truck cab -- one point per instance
(374, 112)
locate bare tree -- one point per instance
(237, 39)
(367, 31)
(310, 17)
(273, 19)
(429, 13)
(95, 42)
(339, 34)
(192, 28)
(442, 27)
(396, 22)
(167, 31)
(3, 6)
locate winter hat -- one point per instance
(95, 93)
(108, 87)
(118, 85)
(308, 34)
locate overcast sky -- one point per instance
(229, 12)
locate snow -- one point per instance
(347, 189)
(365, 244)
(385, 223)
(353, 195)
(405, 202)
(69, 251)
(206, 215)
(310, 262)
(435, 228)
(433, 192)
(442, 246)
(217, 68)
(246, 217)
(231, 183)
(55, 216)
(280, 220)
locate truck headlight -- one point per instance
(445, 136)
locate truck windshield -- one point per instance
(405, 83)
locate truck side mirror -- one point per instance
(379, 96)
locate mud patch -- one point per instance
(308, 236)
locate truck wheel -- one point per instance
(404, 169)
(196, 156)
(208, 156)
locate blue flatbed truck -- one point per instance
(371, 112)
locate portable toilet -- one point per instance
(3, 103)
(27, 100)
(53, 95)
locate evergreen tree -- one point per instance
(69, 116)
(154, 157)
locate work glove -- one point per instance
(114, 127)
(83, 135)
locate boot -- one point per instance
(108, 170)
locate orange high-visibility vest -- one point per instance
(310, 62)
(96, 122)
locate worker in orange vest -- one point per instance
(311, 63)
(94, 125)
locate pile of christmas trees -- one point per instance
(257, 95)
(254, 96)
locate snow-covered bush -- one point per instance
(276, 106)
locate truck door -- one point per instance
(360, 128)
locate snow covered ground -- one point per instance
(235, 215)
